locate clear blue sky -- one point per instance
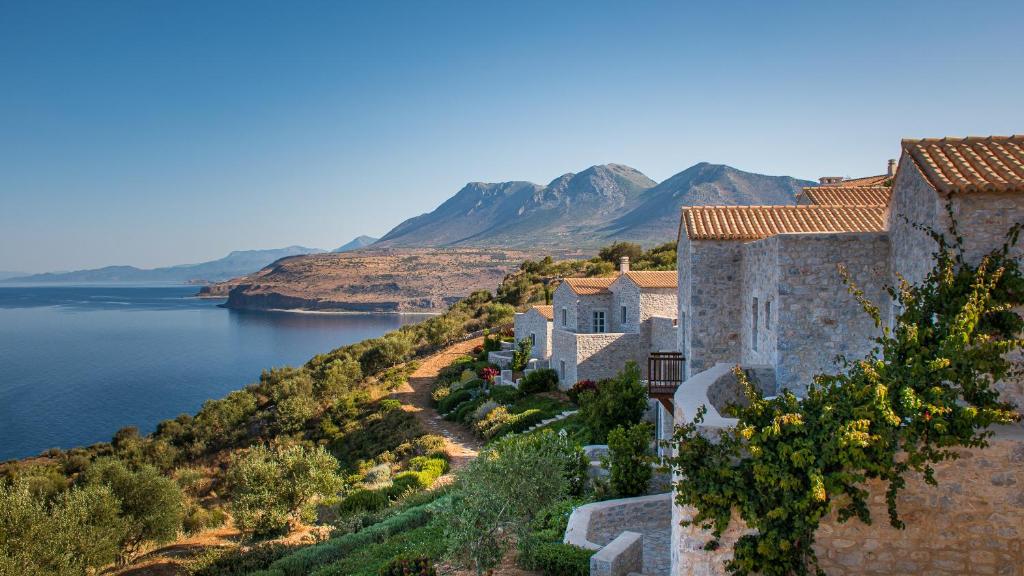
(153, 133)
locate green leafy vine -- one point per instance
(926, 390)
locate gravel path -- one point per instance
(461, 445)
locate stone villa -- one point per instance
(759, 286)
(600, 324)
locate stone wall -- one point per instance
(816, 317)
(760, 282)
(533, 322)
(625, 293)
(971, 523)
(593, 356)
(588, 304)
(914, 201)
(565, 299)
(600, 356)
(710, 278)
(982, 220)
(659, 302)
(661, 334)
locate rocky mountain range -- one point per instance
(235, 264)
(585, 210)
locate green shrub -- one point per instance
(629, 459)
(419, 566)
(238, 562)
(543, 380)
(619, 401)
(505, 394)
(556, 559)
(521, 355)
(464, 412)
(364, 500)
(516, 423)
(433, 465)
(452, 400)
(305, 560)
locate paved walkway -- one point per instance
(460, 444)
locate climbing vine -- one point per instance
(925, 391)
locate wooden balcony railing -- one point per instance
(665, 371)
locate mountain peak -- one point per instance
(602, 203)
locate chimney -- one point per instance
(892, 168)
(624, 264)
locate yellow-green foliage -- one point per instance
(925, 391)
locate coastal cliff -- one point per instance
(387, 280)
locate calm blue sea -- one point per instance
(79, 362)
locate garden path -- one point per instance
(460, 444)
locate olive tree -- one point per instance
(151, 504)
(272, 488)
(501, 491)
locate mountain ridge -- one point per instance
(602, 203)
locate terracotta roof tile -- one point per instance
(975, 164)
(865, 181)
(589, 285)
(654, 278)
(756, 222)
(546, 311)
(846, 195)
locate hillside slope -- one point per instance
(370, 280)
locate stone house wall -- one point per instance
(593, 356)
(661, 335)
(971, 523)
(982, 220)
(587, 305)
(533, 322)
(565, 299)
(760, 282)
(625, 294)
(710, 281)
(658, 302)
(812, 318)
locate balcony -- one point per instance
(665, 371)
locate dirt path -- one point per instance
(461, 445)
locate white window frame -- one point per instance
(594, 321)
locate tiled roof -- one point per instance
(847, 195)
(976, 164)
(755, 222)
(654, 278)
(546, 311)
(865, 181)
(589, 285)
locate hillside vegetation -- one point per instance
(318, 446)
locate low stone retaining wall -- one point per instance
(620, 557)
(597, 525)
